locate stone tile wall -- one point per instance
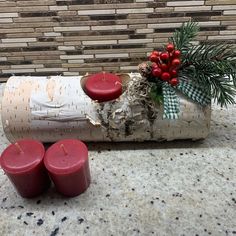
(72, 37)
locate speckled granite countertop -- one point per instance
(176, 188)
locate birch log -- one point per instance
(53, 108)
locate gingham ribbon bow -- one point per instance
(194, 93)
(171, 100)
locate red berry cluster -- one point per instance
(165, 64)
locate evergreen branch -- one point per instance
(223, 92)
(214, 51)
(219, 87)
(156, 95)
(156, 92)
(184, 35)
(212, 66)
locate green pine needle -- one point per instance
(211, 65)
(156, 93)
(184, 35)
(213, 68)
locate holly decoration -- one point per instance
(201, 72)
(165, 64)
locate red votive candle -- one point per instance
(103, 86)
(68, 166)
(23, 164)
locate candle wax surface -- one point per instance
(68, 166)
(59, 162)
(15, 162)
(103, 87)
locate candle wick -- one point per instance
(103, 76)
(19, 148)
(64, 149)
(117, 82)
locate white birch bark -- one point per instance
(50, 109)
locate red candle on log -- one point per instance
(23, 164)
(103, 86)
(68, 166)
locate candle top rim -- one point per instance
(15, 162)
(60, 163)
(103, 86)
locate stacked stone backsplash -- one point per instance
(72, 37)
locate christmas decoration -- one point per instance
(57, 107)
(201, 72)
(164, 65)
(178, 81)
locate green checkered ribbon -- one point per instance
(171, 102)
(194, 93)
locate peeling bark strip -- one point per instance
(52, 108)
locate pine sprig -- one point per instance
(184, 35)
(213, 68)
(213, 51)
(156, 93)
(222, 92)
(210, 66)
